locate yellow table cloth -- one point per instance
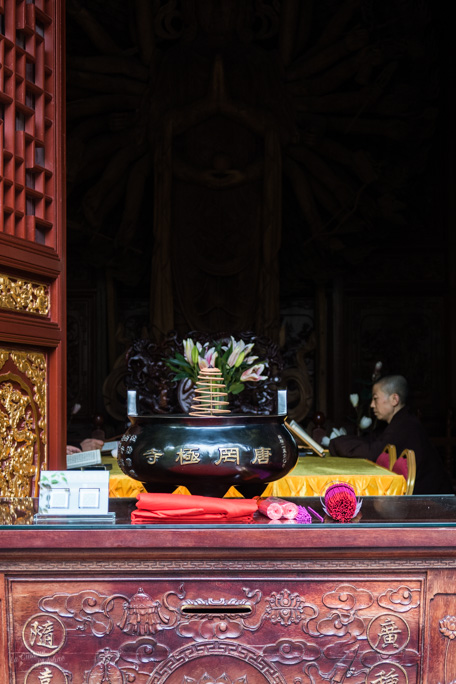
(308, 478)
(312, 474)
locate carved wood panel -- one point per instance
(306, 630)
(441, 625)
(23, 420)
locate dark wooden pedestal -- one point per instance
(362, 603)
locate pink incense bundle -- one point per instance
(340, 502)
(275, 508)
(289, 510)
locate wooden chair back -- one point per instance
(388, 457)
(406, 465)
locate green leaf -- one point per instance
(236, 388)
(181, 376)
(179, 363)
(181, 357)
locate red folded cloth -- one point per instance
(183, 508)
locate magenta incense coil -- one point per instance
(340, 502)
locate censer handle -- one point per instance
(282, 404)
(132, 408)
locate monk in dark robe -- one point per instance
(404, 430)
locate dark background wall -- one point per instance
(281, 167)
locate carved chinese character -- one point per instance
(383, 677)
(45, 676)
(49, 673)
(186, 456)
(228, 455)
(262, 455)
(388, 632)
(42, 635)
(152, 455)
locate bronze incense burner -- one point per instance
(207, 454)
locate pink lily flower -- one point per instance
(208, 361)
(254, 374)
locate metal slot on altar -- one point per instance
(208, 452)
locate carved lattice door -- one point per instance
(32, 242)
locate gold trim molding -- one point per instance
(17, 294)
(23, 423)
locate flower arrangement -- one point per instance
(233, 359)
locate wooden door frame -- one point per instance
(23, 258)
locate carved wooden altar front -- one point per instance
(223, 629)
(227, 605)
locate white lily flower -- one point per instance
(337, 432)
(354, 400)
(365, 422)
(191, 351)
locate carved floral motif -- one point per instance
(286, 608)
(24, 296)
(22, 420)
(447, 627)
